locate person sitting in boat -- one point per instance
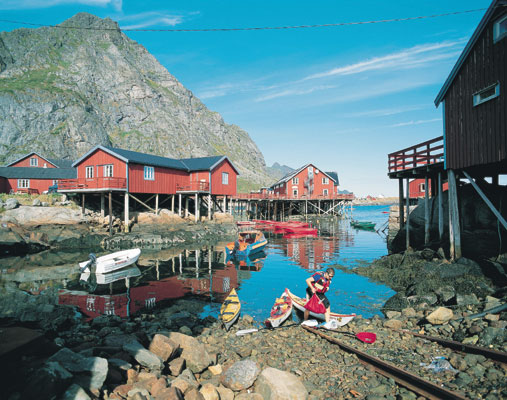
(318, 284)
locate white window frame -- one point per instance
(295, 181)
(89, 172)
(310, 170)
(477, 96)
(325, 180)
(422, 187)
(149, 173)
(497, 35)
(55, 181)
(295, 193)
(23, 183)
(34, 162)
(325, 192)
(108, 171)
(225, 178)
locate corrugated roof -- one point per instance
(37, 173)
(60, 162)
(334, 176)
(468, 48)
(148, 159)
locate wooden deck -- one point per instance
(105, 184)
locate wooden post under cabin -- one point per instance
(102, 205)
(179, 205)
(126, 217)
(82, 204)
(408, 214)
(209, 207)
(225, 204)
(230, 206)
(197, 207)
(186, 206)
(440, 207)
(172, 203)
(454, 226)
(401, 210)
(426, 212)
(110, 213)
(156, 204)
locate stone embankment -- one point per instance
(27, 229)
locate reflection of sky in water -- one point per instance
(175, 273)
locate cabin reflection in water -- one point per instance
(197, 272)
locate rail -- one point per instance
(271, 196)
(193, 187)
(92, 183)
(421, 154)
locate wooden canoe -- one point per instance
(231, 307)
(299, 303)
(280, 311)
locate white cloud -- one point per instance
(408, 58)
(424, 121)
(385, 112)
(294, 92)
(33, 4)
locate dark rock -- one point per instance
(48, 382)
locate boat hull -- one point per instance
(299, 303)
(230, 310)
(112, 262)
(280, 311)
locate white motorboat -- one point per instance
(111, 277)
(110, 262)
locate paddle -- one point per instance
(365, 337)
(252, 330)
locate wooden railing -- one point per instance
(92, 183)
(193, 187)
(425, 153)
(272, 196)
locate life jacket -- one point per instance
(320, 283)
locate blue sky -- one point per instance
(339, 97)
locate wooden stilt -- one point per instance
(197, 207)
(110, 213)
(225, 204)
(426, 212)
(172, 203)
(209, 207)
(126, 218)
(179, 205)
(82, 204)
(156, 204)
(454, 225)
(102, 205)
(407, 226)
(401, 209)
(440, 208)
(186, 206)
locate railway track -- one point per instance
(407, 379)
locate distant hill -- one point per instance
(278, 171)
(66, 89)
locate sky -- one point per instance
(340, 97)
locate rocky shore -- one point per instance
(172, 353)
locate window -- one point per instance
(500, 29)
(108, 170)
(325, 192)
(149, 173)
(23, 183)
(295, 192)
(225, 178)
(89, 172)
(310, 170)
(325, 181)
(487, 94)
(34, 162)
(422, 187)
(295, 181)
(55, 182)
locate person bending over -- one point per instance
(319, 283)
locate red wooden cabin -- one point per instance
(417, 188)
(307, 182)
(112, 169)
(35, 160)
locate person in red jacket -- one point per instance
(318, 284)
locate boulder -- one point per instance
(143, 356)
(225, 393)
(241, 375)
(274, 384)
(75, 392)
(440, 316)
(176, 366)
(170, 393)
(195, 354)
(163, 347)
(36, 202)
(11, 204)
(32, 216)
(47, 382)
(209, 392)
(393, 324)
(89, 372)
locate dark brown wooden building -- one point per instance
(474, 99)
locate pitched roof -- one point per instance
(185, 164)
(37, 173)
(60, 162)
(334, 176)
(290, 175)
(468, 48)
(52, 161)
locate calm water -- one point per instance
(206, 274)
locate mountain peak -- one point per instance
(87, 20)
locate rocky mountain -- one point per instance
(68, 88)
(278, 171)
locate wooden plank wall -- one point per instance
(478, 135)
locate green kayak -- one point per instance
(363, 225)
